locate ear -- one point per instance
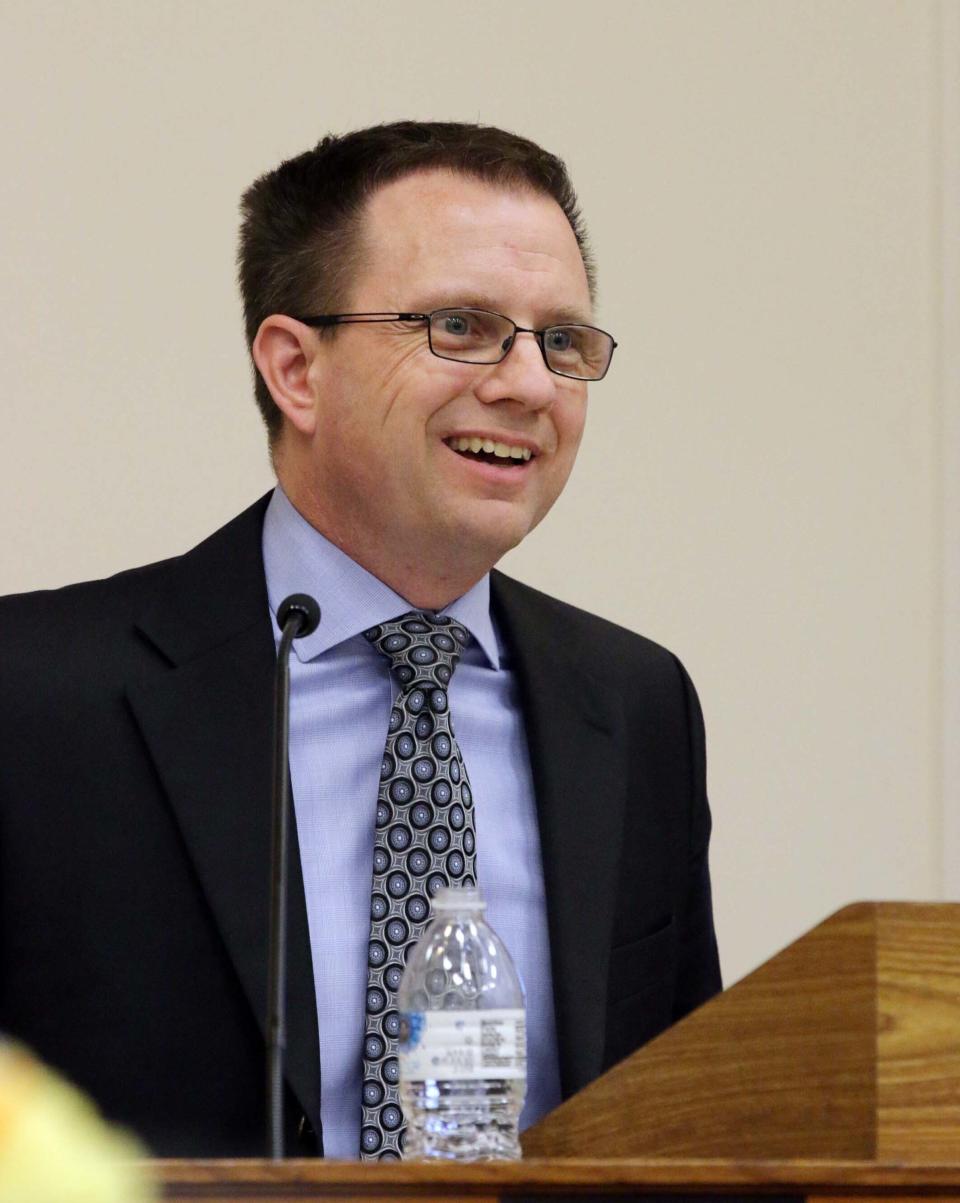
(284, 351)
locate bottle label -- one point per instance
(442, 1046)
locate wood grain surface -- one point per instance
(264, 1180)
(779, 1066)
(918, 1038)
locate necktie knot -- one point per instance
(423, 649)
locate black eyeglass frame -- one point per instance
(349, 319)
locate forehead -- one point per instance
(435, 235)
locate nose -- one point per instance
(522, 375)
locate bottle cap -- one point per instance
(458, 898)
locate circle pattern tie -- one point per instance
(425, 839)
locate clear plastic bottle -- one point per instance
(463, 1048)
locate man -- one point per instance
(418, 303)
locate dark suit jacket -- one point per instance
(135, 719)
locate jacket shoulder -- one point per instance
(581, 630)
(86, 617)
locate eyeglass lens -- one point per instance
(478, 336)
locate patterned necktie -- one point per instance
(425, 839)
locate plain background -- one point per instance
(767, 485)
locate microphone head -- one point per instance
(302, 608)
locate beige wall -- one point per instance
(761, 485)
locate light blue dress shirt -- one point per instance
(340, 699)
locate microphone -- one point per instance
(297, 615)
(305, 606)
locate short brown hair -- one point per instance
(301, 221)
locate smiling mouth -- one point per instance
(487, 451)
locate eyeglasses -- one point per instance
(479, 336)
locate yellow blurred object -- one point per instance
(54, 1147)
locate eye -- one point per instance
(456, 323)
(558, 339)
(472, 335)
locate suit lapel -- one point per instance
(204, 707)
(574, 733)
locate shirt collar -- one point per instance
(298, 559)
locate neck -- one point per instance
(403, 569)
(406, 576)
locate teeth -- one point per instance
(500, 450)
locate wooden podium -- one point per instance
(832, 1072)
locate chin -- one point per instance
(490, 536)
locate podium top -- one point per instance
(316, 1180)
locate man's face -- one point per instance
(385, 477)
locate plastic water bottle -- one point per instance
(463, 1046)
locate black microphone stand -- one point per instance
(297, 615)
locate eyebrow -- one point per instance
(560, 316)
